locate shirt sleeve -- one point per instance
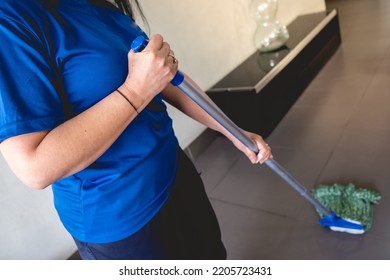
(30, 86)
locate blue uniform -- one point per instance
(56, 61)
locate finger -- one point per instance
(165, 49)
(173, 58)
(171, 55)
(155, 43)
(251, 156)
(264, 153)
(260, 156)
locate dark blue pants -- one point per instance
(185, 228)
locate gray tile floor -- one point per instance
(338, 131)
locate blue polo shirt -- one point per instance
(58, 58)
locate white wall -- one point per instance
(210, 38)
(29, 225)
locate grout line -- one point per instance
(254, 209)
(234, 163)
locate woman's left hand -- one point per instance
(264, 149)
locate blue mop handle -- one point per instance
(215, 112)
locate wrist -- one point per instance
(132, 97)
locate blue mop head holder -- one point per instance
(140, 43)
(334, 221)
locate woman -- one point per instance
(82, 113)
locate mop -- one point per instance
(328, 217)
(348, 201)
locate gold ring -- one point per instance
(173, 57)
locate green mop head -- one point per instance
(348, 202)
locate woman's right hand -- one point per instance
(149, 71)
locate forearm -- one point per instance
(178, 99)
(181, 101)
(73, 145)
